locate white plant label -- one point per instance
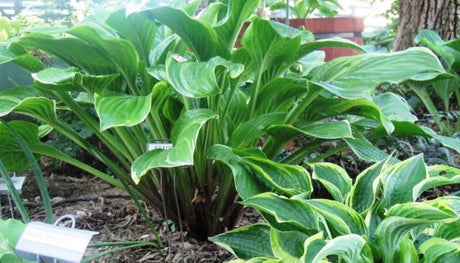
(18, 181)
(49, 241)
(161, 146)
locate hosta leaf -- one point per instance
(254, 175)
(198, 79)
(393, 229)
(199, 36)
(121, 109)
(322, 43)
(93, 56)
(238, 12)
(344, 76)
(334, 178)
(430, 210)
(400, 179)
(279, 95)
(323, 107)
(10, 98)
(432, 182)
(135, 27)
(272, 47)
(437, 250)
(11, 230)
(246, 242)
(448, 230)
(14, 53)
(350, 248)
(287, 245)
(328, 130)
(287, 179)
(394, 107)
(285, 214)
(341, 219)
(247, 182)
(406, 252)
(11, 153)
(363, 148)
(407, 128)
(183, 137)
(312, 246)
(364, 191)
(247, 132)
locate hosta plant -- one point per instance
(445, 90)
(378, 218)
(144, 74)
(10, 231)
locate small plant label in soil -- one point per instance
(50, 243)
(18, 181)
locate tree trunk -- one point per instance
(415, 15)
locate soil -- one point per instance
(97, 206)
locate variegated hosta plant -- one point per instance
(375, 219)
(141, 74)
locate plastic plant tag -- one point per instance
(18, 181)
(162, 144)
(51, 243)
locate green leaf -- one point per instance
(327, 130)
(183, 137)
(323, 107)
(10, 98)
(198, 79)
(279, 95)
(272, 47)
(364, 192)
(392, 230)
(432, 182)
(198, 35)
(407, 128)
(15, 53)
(350, 248)
(118, 109)
(399, 180)
(363, 148)
(312, 246)
(285, 214)
(437, 250)
(287, 245)
(229, 28)
(249, 131)
(358, 76)
(135, 27)
(246, 242)
(340, 218)
(431, 210)
(394, 107)
(334, 178)
(448, 230)
(255, 175)
(11, 230)
(11, 153)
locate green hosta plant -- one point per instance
(139, 75)
(375, 219)
(447, 90)
(10, 231)
(305, 8)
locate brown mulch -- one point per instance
(97, 206)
